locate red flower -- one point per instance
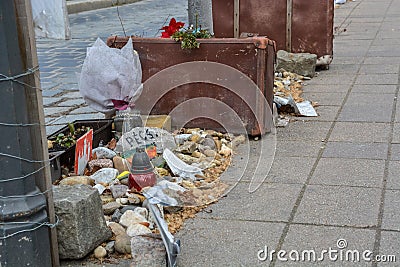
(172, 28)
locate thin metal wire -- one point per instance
(13, 78)
(155, 35)
(19, 124)
(25, 176)
(29, 174)
(16, 77)
(51, 225)
(22, 196)
(27, 160)
(120, 19)
(50, 123)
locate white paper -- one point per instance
(110, 73)
(306, 109)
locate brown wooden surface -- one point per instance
(254, 57)
(310, 28)
(43, 178)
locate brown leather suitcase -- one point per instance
(296, 25)
(253, 57)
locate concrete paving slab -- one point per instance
(304, 130)
(226, 243)
(344, 79)
(395, 152)
(317, 238)
(325, 113)
(385, 41)
(339, 205)
(377, 79)
(393, 179)
(391, 212)
(386, 34)
(336, 69)
(381, 60)
(357, 36)
(397, 116)
(72, 95)
(385, 69)
(52, 129)
(356, 150)
(326, 99)
(364, 19)
(396, 133)
(70, 118)
(350, 172)
(49, 88)
(355, 43)
(72, 102)
(350, 52)
(390, 243)
(290, 170)
(244, 164)
(363, 27)
(360, 132)
(374, 89)
(286, 170)
(55, 111)
(48, 101)
(367, 108)
(298, 149)
(83, 110)
(270, 203)
(323, 88)
(377, 53)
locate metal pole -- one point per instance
(24, 234)
(203, 9)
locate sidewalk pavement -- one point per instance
(334, 177)
(77, 6)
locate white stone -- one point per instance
(141, 136)
(105, 175)
(124, 201)
(137, 229)
(142, 212)
(100, 252)
(103, 152)
(130, 217)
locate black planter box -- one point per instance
(102, 131)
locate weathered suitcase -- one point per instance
(296, 25)
(253, 57)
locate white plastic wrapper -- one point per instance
(180, 168)
(110, 74)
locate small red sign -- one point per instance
(83, 152)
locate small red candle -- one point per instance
(142, 172)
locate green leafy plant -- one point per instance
(64, 141)
(187, 37)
